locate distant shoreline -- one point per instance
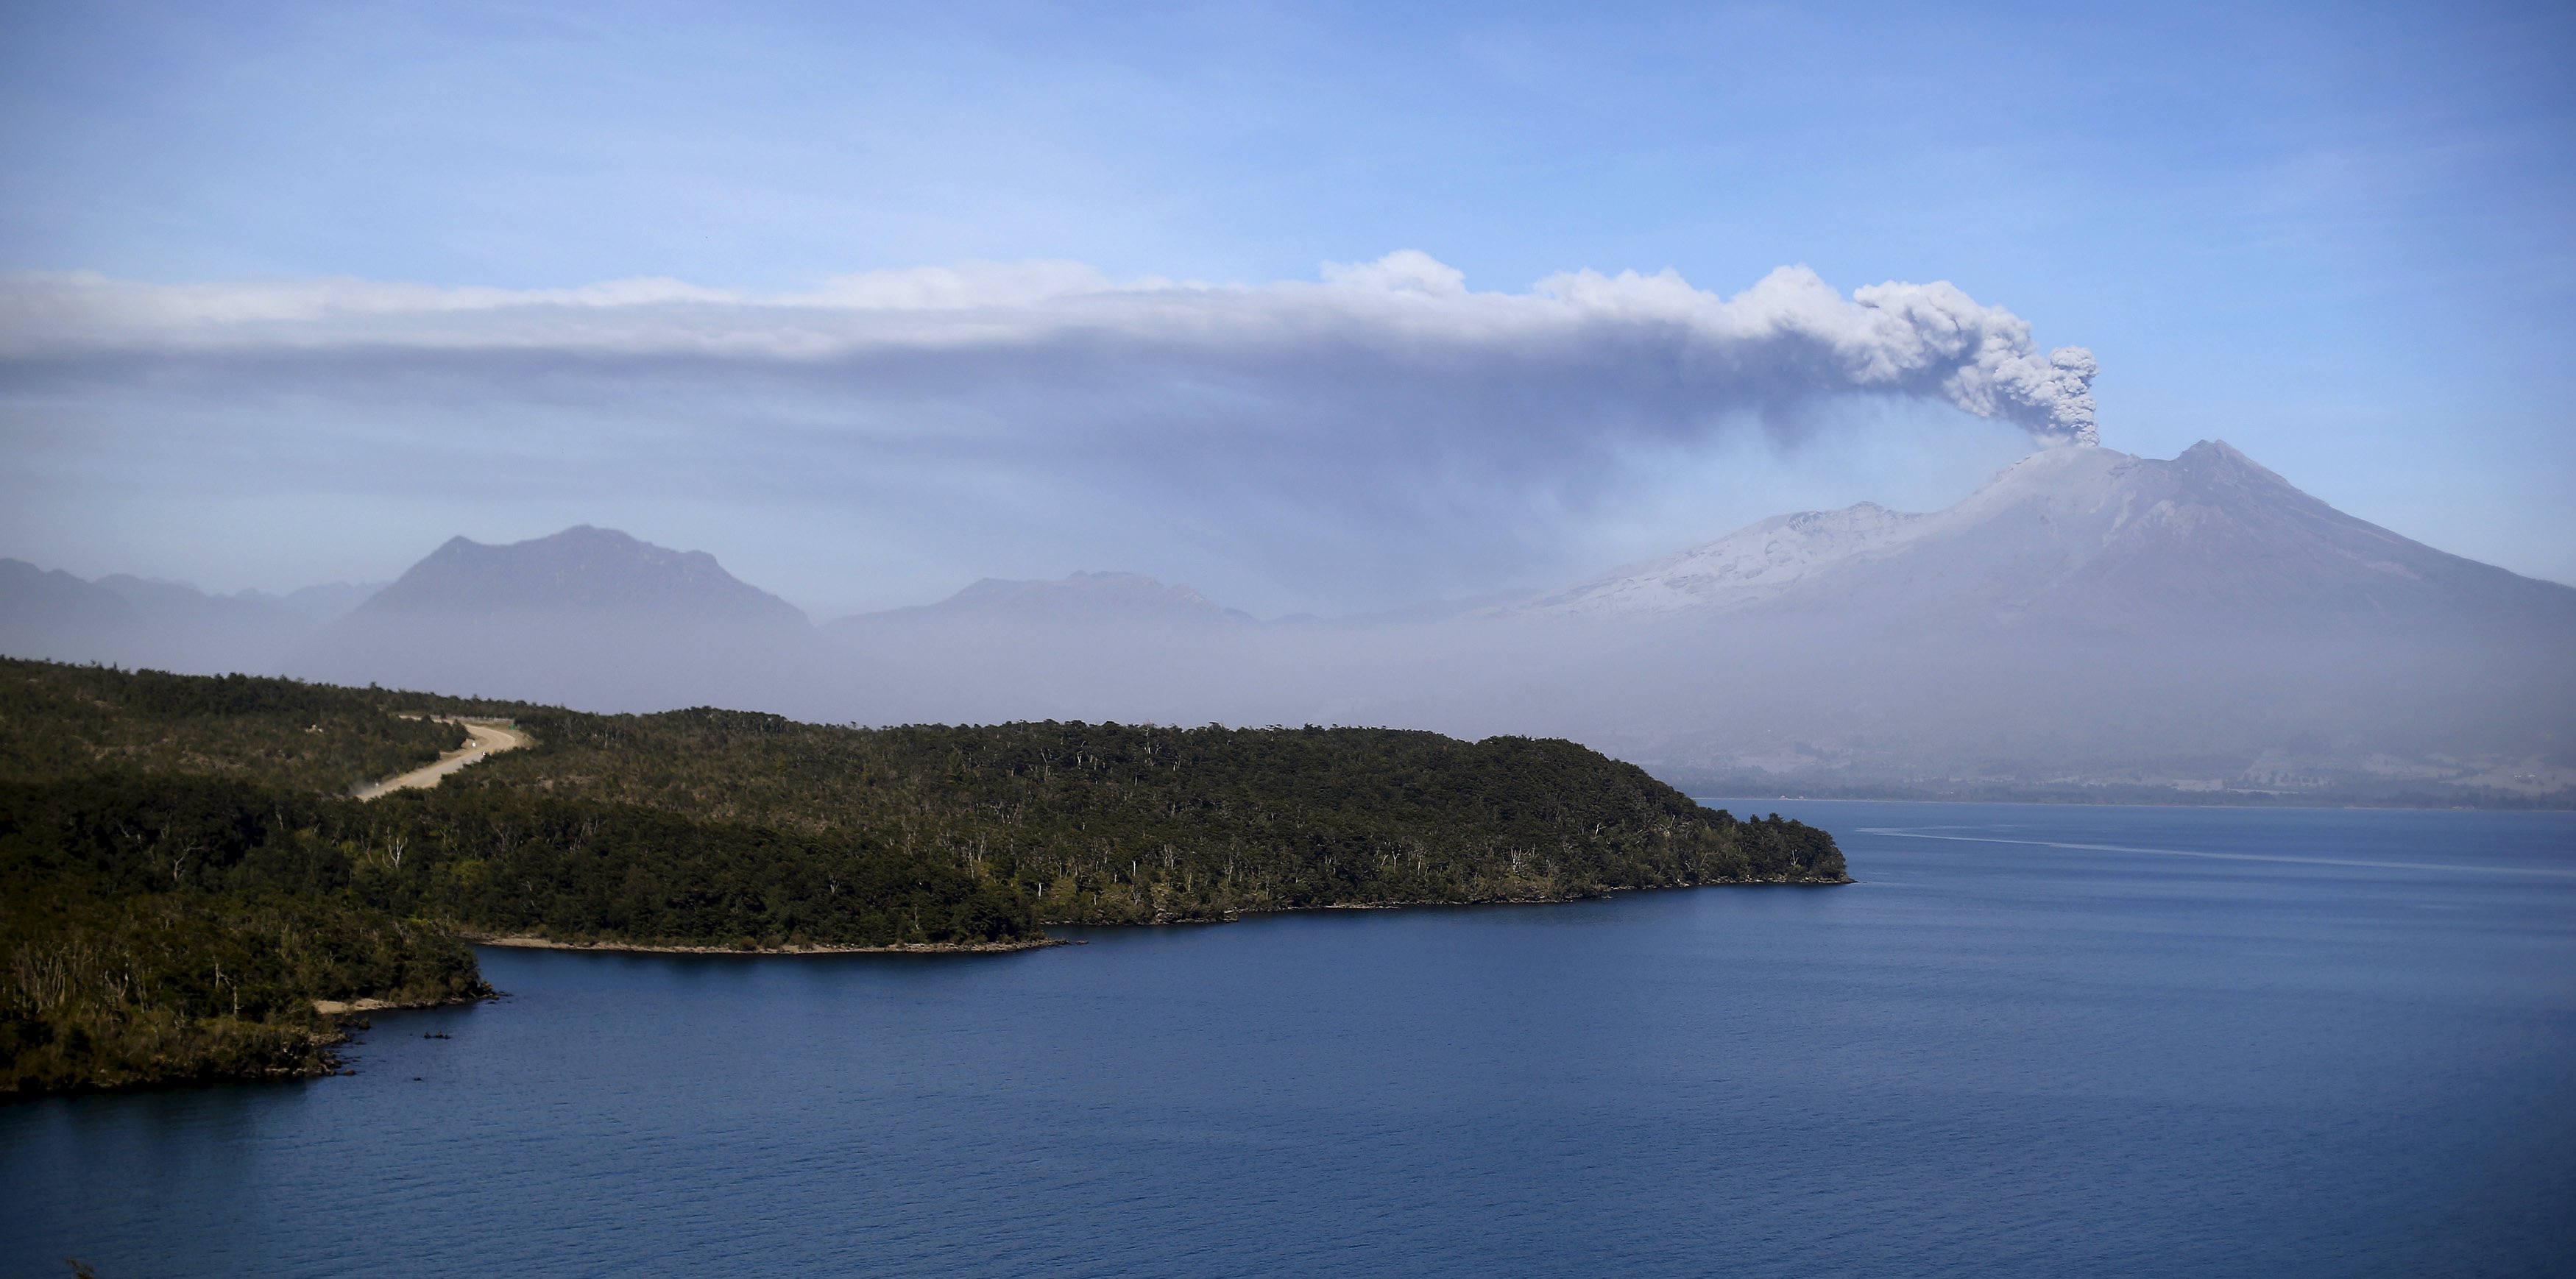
(369, 1004)
(2553, 806)
(524, 942)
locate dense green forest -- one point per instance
(74, 721)
(164, 928)
(186, 873)
(1104, 823)
(168, 914)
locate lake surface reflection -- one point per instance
(2132, 1041)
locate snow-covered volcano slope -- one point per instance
(1752, 565)
(2086, 617)
(2084, 535)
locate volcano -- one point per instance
(2089, 537)
(2088, 620)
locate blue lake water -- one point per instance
(2130, 1041)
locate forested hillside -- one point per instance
(1105, 823)
(164, 927)
(168, 908)
(59, 721)
(185, 872)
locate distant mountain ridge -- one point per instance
(51, 613)
(172, 625)
(2087, 619)
(1078, 598)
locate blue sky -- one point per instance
(2336, 236)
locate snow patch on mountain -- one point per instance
(1749, 565)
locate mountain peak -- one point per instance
(581, 570)
(2216, 461)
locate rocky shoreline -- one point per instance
(348, 1015)
(342, 1008)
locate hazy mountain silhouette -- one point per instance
(1088, 646)
(2086, 619)
(135, 621)
(591, 617)
(582, 572)
(50, 613)
(1080, 599)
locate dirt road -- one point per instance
(491, 737)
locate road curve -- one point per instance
(491, 737)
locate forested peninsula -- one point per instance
(186, 872)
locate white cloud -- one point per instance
(1403, 270)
